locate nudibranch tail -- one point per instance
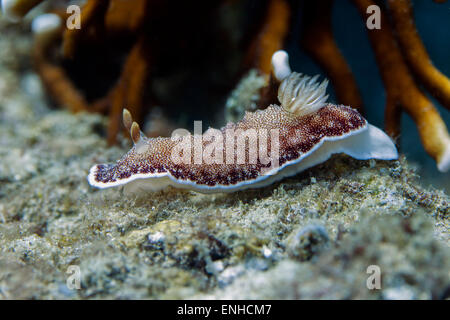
(371, 143)
(301, 94)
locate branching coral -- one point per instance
(318, 41)
(92, 17)
(415, 53)
(138, 35)
(46, 28)
(399, 52)
(402, 91)
(98, 16)
(271, 36)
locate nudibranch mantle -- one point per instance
(303, 132)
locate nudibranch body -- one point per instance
(264, 147)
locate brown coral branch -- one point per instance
(414, 51)
(92, 15)
(271, 36)
(129, 15)
(130, 88)
(392, 117)
(400, 85)
(317, 39)
(54, 78)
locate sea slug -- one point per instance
(264, 147)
